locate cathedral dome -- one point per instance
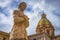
(45, 26)
(44, 21)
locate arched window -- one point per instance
(48, 31)
(4, 38)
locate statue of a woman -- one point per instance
(21, 22)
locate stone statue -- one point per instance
(21, 22)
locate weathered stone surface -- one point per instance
(21, 22)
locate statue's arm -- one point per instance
(26, 17)
(16, 16)
(26, 21)
(19, 19)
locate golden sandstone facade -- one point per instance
(44, 30)
(4, 36)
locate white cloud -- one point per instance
(34, 16)
(4, 3)
(7, 21)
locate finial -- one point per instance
(43, 15)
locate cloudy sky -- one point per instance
(34, 10)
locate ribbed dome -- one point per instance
(44, 20)
(45, 26)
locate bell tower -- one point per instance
(45, 26)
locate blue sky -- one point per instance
(33, 11)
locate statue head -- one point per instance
(22, 6)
